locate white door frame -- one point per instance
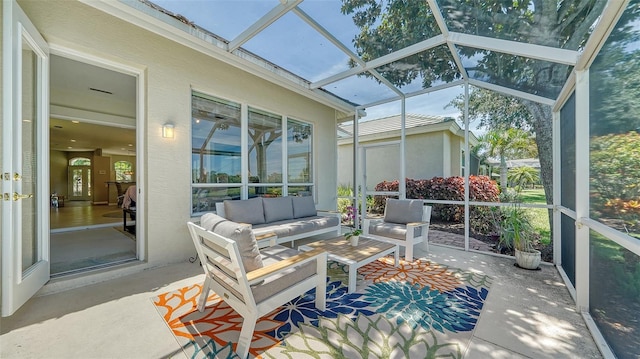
(139, 73)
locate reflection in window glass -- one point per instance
(299, 137)
(614, 299)
(614, 161)
(123, 170)
(215, 154)
(542, 78)
(422, 70)
(265, 191)
(614, 129)
(265, 147)
(551, 23)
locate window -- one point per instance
(123, 170)
(299, 153)
(265, 153)
(462, 163)
(278, 161)
(80, 161)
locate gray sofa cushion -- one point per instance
(245, 211)
(403, 211)
(277, 209)
(303, 207)
(240, 233)
(297, 226)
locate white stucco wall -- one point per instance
(428, 155)
(172, 71)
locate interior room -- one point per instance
(92, 164)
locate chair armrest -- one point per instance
(418, 224)
(372, 220)
(329, 212)
(264, 237)
(304, 257)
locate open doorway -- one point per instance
(93, 155)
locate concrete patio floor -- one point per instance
(528, 314)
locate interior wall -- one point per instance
(172, 71)
(58, 174)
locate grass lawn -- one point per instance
(539, 216)
(533, 196)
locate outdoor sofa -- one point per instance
(280, 219)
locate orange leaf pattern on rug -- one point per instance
(219, 322)
(421, 272)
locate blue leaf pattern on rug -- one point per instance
(303, 309)
(421, 307)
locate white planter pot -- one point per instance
(354, 240)
(528, 260)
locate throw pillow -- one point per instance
(403, 211)
(303, 207)
(277, 209)
(242, 234)
(245, 211)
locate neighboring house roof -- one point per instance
(414, 122)
(523, 162)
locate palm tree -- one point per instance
(523, 176)
(503, 144)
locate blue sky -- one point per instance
(304, 51)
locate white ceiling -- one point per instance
(92, 126)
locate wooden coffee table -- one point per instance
(367, 251)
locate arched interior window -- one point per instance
(123, 170)
(80, 161)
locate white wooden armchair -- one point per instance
(253, 282)
(405, 222)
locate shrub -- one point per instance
(481, 189)
(614, 176)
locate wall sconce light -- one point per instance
(167, 130)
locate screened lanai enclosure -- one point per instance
(566, 72)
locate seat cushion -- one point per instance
(303, 207)
(245, 211)
(242, 234)
(283, 280)
(392, 230)
(403, 211)
(277, 209)
(297, 226)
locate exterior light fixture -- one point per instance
(167, 130)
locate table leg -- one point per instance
(353, 271)
(396, 257)
(124, 220)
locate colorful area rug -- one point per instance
(420, 309)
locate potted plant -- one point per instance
(353, 236)
(517, 232)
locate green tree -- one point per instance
(523, 176)
(503, 144)
(391, 25)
